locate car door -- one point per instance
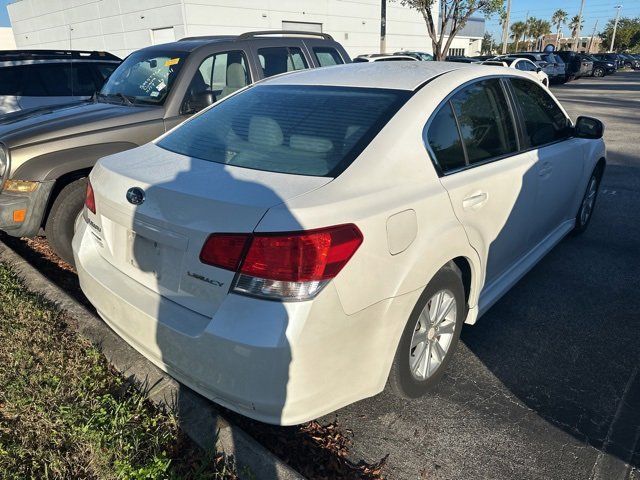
(559, 158)
(491, 184)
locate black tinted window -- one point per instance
(105, 69)
(47, 80)
(444, 140)
(285, 128)
(327, 56)
(485, 121)
(275, 60)
(84, 83)
(544, 121)
(10, 80)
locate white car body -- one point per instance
(522, 64)
(286, 362)
(383, 58)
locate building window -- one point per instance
(456, 52)
(304, 26)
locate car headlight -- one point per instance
(4, 164)
(609, 64)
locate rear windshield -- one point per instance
(305, 130)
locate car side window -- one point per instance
(221, 74)
(327, 56)
(275, 60)
(84, 83)
(485, 121)
(443, 138)
(525, 66)
(47, 80)
(544, 121)
(10, 80)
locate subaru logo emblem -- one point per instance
(135, 195)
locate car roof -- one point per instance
(189, 44)
(389, 75)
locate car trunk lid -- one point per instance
(180, 202)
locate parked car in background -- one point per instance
(482, 58)
(425, 57)
(630, 61)
(578, 65)
(600, 67)
(41, 78)
(299, 246)
(522, 64)
(546, 61)
(611, 57)
(381, 57)
(47, 154)
(460, 59)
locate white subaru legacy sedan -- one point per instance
(303, 243)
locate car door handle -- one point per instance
(545, 170)
(475, 200)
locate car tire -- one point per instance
(598, 72)
(64, 212)
(588, 203)
(409, 376)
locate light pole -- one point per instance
(383, 26)
(505, 28)
(579, 27)
(615, 27)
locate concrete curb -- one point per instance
(197, 416)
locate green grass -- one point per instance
(65, 413)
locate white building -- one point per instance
(6, 39)
(121, 26)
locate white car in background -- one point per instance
(522, 64)
(301, 244)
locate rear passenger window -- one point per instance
(485, 121)
(327, 56)
(444, 140)
(275, 60)
(545, 122)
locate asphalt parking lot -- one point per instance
(546, 385)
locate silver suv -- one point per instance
(37, 78)
(46, 155)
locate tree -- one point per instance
(487, 44)
(627, 34)
(531, 29)
(452, 17)
(575, 24)
(558, 19)
(542, 28)
(518, 30)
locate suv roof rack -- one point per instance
(261, 33)
(55, 54)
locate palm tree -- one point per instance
(542, 28)
(576, 24)
(518, 30)
(558, 19)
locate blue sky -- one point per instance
(600, 10)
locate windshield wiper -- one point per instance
(126, 100)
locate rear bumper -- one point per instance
(280, 363)
(35, 204)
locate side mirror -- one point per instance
(588, 127)
(197, 101)
(538, 69)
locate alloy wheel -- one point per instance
(589, 201)
(433, 335)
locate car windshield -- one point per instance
(304, 130)
(145, 77)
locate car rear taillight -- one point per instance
(284, 266)
(90, 200)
